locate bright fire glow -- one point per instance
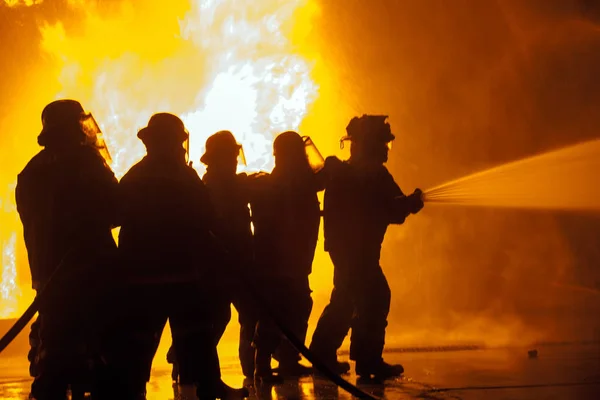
(9, 289)
(228, 65)
(219, 64)
(27, 3)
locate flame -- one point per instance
(218, 64)
(26, 3)
(227, 64)
(9, 289)
(259, 86)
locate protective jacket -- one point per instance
(286, 215)
(232, 222)
(166, 217)
(358, 207)
(65, 198)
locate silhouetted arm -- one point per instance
(400, 205)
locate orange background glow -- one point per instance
(468, 84)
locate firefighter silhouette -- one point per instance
(361, 200)
(167, 255)
(230, 193)
(66, 198)
(286, 217)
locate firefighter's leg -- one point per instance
(332, 328)
(65, 342)
(221, 315)
(195, 322)
(53, 357)
(299, 306)
(190, 321)
(171, 360)
(368, 330)
(34, 341)
(266, 340)
(268, 336)
(248, 318)
(131, 340)
(193, 319)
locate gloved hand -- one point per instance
(416, 201)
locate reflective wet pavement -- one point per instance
(559, 372)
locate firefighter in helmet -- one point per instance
(361, 200)
(66, 199)
(230, 193)
(286, 216)
(166, 252)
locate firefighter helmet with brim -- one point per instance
(291, 144)
(368, 129)
(222, 143)
(66, 121)
(165, 128)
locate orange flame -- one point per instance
(226, 65)
(26, 3)
(219, 64)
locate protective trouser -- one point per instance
(34, 343)
(248, 314)
(132, 340)
(290, 301)
(299, 306)
(361, 300)
(64, 345)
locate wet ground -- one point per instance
(558, 372)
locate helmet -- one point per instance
(60, 122)
(66, 121)
(290, 144)
(164, 128)
(368, 128)
(222, 142)
(61, 113)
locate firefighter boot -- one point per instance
(379, 371)
(246, 353)
(263, 373)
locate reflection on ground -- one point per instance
(559, 372)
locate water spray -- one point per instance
(563, 179)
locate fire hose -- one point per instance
(22, 322)
(294, 340)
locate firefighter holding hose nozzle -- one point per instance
(66, 199)
(361, 200)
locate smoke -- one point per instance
(469, 85)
